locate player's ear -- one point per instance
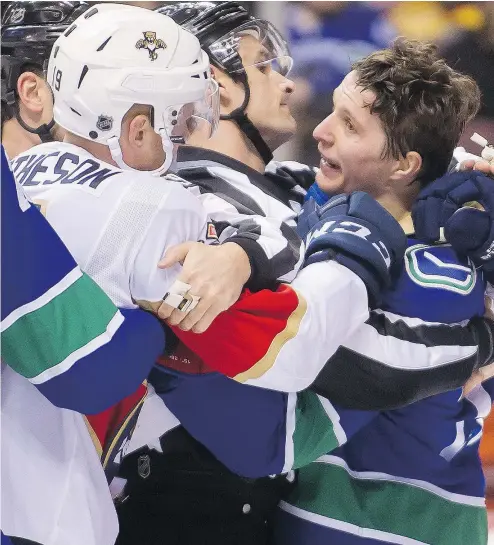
(139, 128)
(141, 146)
(30, 89)
(136, 127)
(227, 88)
(407, 168)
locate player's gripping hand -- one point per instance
(481, 165)
(452, 202)
(215, 275)
(356, 231)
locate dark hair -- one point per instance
(422, 102)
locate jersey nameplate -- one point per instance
(60, 168)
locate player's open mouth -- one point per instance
(330, 166)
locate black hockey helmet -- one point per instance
(28, 32)
(219, 27)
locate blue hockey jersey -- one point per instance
(257, 432)
(413, 475)
(59, 330)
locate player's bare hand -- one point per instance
(480, 165)
(216, 274)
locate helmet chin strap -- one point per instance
(43, 131)
(116, 153)
(239, 116)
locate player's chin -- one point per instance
(279, 132)
(332, 185)
(287, 125)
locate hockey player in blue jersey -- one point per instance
(411, 475)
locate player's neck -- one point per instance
(99, 151)
(399, 209)
(16, 140)
(398, 201)
(230, 141)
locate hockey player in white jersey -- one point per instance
(92, 119)
(62, 339)
(40, 441)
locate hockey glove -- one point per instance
(357, 232)
(452, 202)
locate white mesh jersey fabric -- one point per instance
(119, 230)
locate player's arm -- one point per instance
(274, 248)
(326, 307)
(267, 340)
(403, 360)
(253, 431)
(178, 217)
(59, 330)
(264, 339)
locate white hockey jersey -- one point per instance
(51, 472)
(105, 216)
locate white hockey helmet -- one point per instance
(115, 56)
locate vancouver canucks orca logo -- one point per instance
(440, 269)
(151, 44)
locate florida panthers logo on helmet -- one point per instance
(151, 44)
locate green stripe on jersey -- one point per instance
(387, 506)
(44, 338)
(314, 433)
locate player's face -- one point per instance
(351, 141)
(270, 92)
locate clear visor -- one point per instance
(195, 119)
(273, 48)
(282, 65)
